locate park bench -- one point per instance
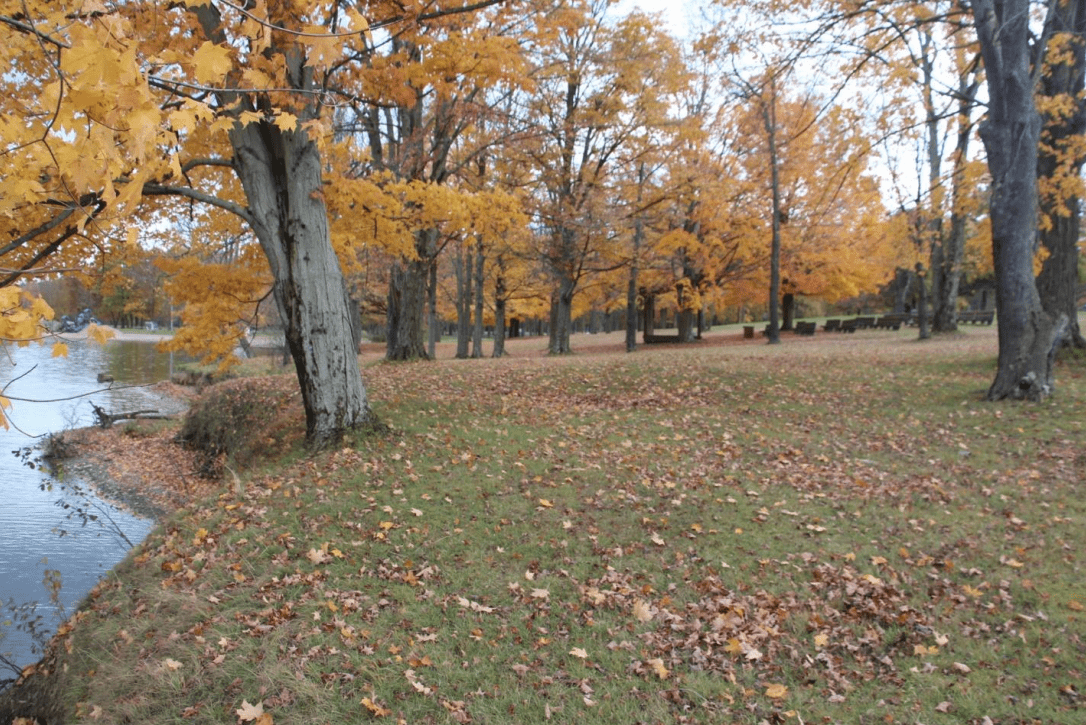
(977, 317)
(652, 339)
(832, 326)
(848, 325)
(891, 322)
(863, 323)
(805, 328)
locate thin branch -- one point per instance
(31, 30)
(230, 206)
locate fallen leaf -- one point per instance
(579, 652)
(375, 709)
(641, 611)
(171, 664)
(657, 665)
(249, 712)
(776, 691)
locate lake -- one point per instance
(39, 545)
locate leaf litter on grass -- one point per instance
(680, 536)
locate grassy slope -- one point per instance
(835, 529)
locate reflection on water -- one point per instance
(38, 544)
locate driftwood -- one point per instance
(106, 420)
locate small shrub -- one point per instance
(238, 420)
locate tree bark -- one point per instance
(788, 308)
(499, 313)
(462, 265)
(280, 172)
(406, 305)
(562, 316)
(477, 329)
(1060, 161)
(1028, 335)
(770, 121)
(922, 306)
(433, 324)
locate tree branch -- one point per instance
(232, 207)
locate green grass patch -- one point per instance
(841, 532)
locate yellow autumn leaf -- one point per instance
(375, 709)
(60, 349)
(286, 121)
(211, 62)
(657, 665)
(99, 334)
(821, 640)
(545, 503)
(249, 712)
(776, 691)
(579, 652)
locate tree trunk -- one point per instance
(499, 315)
(946, 258)
(1060, 162)
(770, 120)
(562, 317)
(788, 309)
(1028, 336)
(462, 266)
(406, 306)
(922, 305)
(433, 324)
(280, 172)
(649, 320)
(477, 330)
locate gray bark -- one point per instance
(462, 264)
(406, 305)
(477, 328)
(499, 314)
(1058, 280)
(1028, 336)
(280, 172)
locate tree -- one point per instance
(1028, 334)
(589, 74)
(219, 104)
(1059, 168)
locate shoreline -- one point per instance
(260, 340)
(151, 479)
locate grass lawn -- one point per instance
(833, 530)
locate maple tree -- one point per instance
(590, 75)
(115, 108)
(1028, 334)
(1059, 167)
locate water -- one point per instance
(33, 553)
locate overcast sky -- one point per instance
(674, 12)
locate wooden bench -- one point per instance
(863, 323)
(892, 321)
(656, 339)
(832, 326)
(849, 325)
(805, 328)
(977, 317)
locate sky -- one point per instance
(674, 12)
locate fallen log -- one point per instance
(106, 420)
